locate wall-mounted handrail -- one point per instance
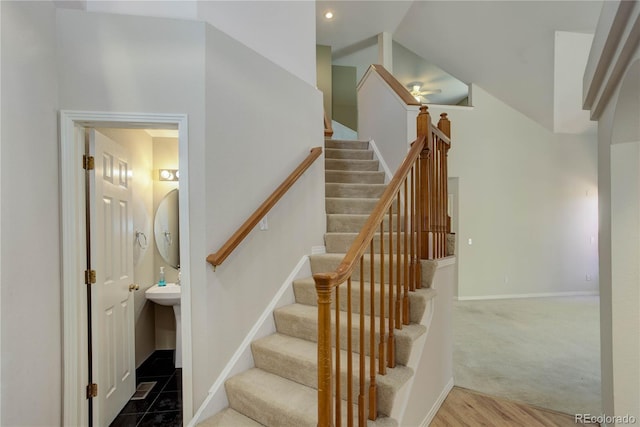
(411, 216)
(394, 84)
(218, 258)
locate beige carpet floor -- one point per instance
(540, 351)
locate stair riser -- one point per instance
(350, 145)
(307, 329)
(337, 223)
(321, 264)
(341, 242)
(354, 190)
(353, 165)
(358, 177)
(332, 153)
(305, 293)
(350, 206)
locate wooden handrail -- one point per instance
(394, 84)
(328, 129)
(218, 258)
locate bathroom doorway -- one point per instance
(79, 351)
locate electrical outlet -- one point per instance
(588, 277)
(470, 241)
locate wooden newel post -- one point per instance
(425, 169)
(444, 124)
(325, 363)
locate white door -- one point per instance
(112, 259)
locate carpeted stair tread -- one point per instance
(296, 359)
(346, 143)
(229, 418)
(333, 189)
(340, 242)
(334, 153)
(300, 320)
(305, 293)
(351, 164)
(323, 263)
(353, 205)
(353, 223)
(277, 402)
(355, 177)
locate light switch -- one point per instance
(263, 224)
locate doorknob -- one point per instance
(133, 287)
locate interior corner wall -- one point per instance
(282, 31)
(251, 148)
(527, 203)
(323, 70)
(30, 268)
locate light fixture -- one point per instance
(328, 14)
(416, 92)
(168, 174)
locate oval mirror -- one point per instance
(166, 229)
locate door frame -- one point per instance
(73, 238)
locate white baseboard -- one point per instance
(315, 250)
(436, 406)
(388, 175)
(539, 295)
(242, 359)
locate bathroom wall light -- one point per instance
(169, 174)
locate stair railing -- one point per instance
(409, 216)
(328, 128)
(218, 257)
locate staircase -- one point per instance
(281, 390)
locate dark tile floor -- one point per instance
(163, 405)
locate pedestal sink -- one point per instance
(169, 295)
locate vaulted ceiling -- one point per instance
(505, 47)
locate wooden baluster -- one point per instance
(412, 271)
(398, 316)
(325, 364)
(349, 356)
(419, 224)
(391, 356)
(373, 392)
(382, 366)
(445, 126)
(407, 267)
(361, 396)
(338, 394)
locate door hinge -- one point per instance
(89, 277)
(88, 162)
(92, 390)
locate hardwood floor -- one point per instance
(464, 407)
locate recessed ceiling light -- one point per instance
(328, 14)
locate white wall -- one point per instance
(30, 266)
(108, 62)
(385, 118)
(269, 137)
(528, 201)
(433, 376)
(283, 31)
